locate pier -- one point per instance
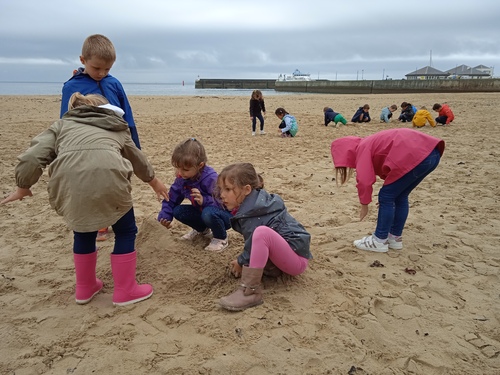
(357, 87)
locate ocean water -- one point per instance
(145, 89)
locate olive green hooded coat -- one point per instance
(91, 158)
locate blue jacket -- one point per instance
(109, 87)
(261, 208)
(330, 114)
(290, 124)
(181, 189)
(358, 113)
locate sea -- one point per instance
(143, 89)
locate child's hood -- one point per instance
(102, 117)
(344, 151)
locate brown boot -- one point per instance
(249, 293)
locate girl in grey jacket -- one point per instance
(272, 236)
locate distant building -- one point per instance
(485, 69)
(464, 71)
(427, 72)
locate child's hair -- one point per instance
(78, 99)
(423, 107)
(436, 107)
(325, 109)
(394, 107)
(189, 153)
(366, 106)
(241, 174)
(343, 174)
(281, 112)
(257, 94)
(404, 105)
(99, 46)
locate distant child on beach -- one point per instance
(362, 114)
(257, 108)
(331, 115)
(91, 158)
(288, 126)
(274, 240)
(402, 158)
(407, 112)
(386, 114)
(195, 181)
(98, 56)
(445, 115)
(421, 117)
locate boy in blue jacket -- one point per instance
(98, 56)
(331, 115)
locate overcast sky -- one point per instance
(168, 41)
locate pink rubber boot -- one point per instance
(127, 291)
(87, 284)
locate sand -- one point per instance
(341, 316)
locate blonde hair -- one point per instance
(99, 46)
(240, 175)
(343, 174)
(78, 99)
(189, 153)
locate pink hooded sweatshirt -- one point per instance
(389, 154)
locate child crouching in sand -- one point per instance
(271, 234)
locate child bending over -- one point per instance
(91, 158)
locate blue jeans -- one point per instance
(217, 219)
(125, 232)
(393, 198)
(254, 122)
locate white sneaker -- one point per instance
(262, 132)
(190, 236)
(395, 243)
(253, 133)
(217, 245)
(368, 243)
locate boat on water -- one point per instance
(297, 75)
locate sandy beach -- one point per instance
(342, 316)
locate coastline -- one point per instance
(341, 313)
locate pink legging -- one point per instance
(268, 244)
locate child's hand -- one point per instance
(196, 194)
(165, 223)
(159, 188)
(19, 194)
(363, 212)
(235, 268)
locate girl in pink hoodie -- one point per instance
(402, 158)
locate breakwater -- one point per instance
(356, 87)
(390, 86)
(251, 84)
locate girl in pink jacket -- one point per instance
(402, 158)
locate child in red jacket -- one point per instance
(445, 115)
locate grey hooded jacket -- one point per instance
(261, 208)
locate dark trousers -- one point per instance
(215, 218)
(125, 232)
(254, 121)
(441, 119)
(393, 206)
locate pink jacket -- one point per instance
(389, 154)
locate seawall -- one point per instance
(251, 84)
(390, 86)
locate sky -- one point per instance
(161, 41)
